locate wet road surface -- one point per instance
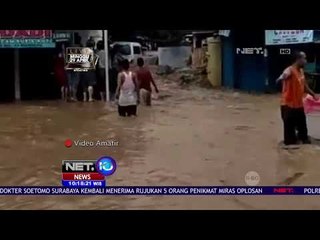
(191, 136)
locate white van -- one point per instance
(129, 50)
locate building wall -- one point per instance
(244, 72)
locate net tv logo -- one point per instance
(106, 166)
(251, 51)
(87, 173)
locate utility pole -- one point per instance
(106, 50)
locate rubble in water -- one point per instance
(164, 70)
(185, 76)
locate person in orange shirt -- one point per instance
(294, 87)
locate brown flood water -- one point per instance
(189, 137)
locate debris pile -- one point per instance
(185, 76)
(164, 70)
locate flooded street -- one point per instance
(191, 136)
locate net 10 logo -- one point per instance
(87, 173)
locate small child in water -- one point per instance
(145, 79)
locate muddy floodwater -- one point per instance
(189, 137)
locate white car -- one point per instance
(129, 50)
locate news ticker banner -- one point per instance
(162, 191)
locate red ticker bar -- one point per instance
(82, 176)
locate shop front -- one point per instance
(247, 68)
(27, 63)
(280, 45)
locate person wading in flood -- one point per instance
(73, 76)
(101, 71)
(89, 78)
(294, 87)
(61, 75)
(116, 59)
(145, 79)
(127, 91)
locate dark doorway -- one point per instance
(36, 74)
(250, 69)
(7, 75)
(276, 64)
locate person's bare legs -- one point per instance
(90, 90)
(145, 97)
(148, 98)
(73, 92)
(62, 93)
(66, 93)
(73, 85)
(102, 96)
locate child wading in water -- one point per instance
(127, 91)
(145, 79)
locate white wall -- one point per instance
(174, 56)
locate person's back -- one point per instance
(127, 90)
(73, 76)
(90, 52)
(88, 78)
(101, 54)
(144, 77)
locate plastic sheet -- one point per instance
(311, 105)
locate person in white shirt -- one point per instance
(127, 91)
(101, 69)
(74, 77)
(89, 78)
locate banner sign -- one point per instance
(62, 37)
(80, 59)
(26, 39)
(225, 33)
(161, 190)
(283, 37)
